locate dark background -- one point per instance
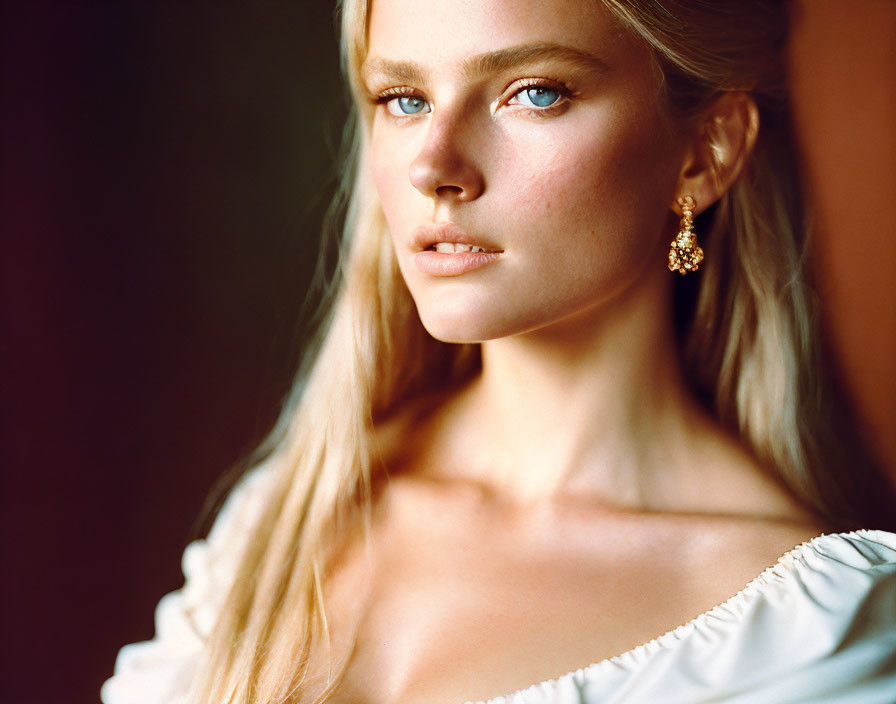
(164, 170)
(164, 167)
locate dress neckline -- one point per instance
(632, 657)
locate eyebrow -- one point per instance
(489, 62)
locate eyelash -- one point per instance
(545, 83)
(392, 93)
(514, 89)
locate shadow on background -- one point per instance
(165, 167)
(164, 171)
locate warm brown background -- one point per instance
(844, 95)
(163, 168)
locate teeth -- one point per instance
(451, 248)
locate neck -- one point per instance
(595, 403)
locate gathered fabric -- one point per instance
(818, 626)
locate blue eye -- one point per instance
(538, 97)
(406, 105)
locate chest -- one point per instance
(448, 610)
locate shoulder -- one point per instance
(161, 670)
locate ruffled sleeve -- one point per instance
(837, 638)
(160, 671)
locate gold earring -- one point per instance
(684, 254)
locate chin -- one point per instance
(457, 327)
(450, 324)
(447, 329)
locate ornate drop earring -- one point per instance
(685, 255)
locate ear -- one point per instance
(718, 150)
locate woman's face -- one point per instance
(530, 128)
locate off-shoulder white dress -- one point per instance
(818, 626)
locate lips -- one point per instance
(454, 248)
(436, 264)
(447, 250)
(429, 237)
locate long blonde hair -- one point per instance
(748, 334)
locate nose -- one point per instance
(444, 168)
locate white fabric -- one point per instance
(819, 626)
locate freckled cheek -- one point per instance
(564, 164)
(389, 174)
(586, 202)
(558, 188)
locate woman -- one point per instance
(524, 445)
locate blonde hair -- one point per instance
(749, 341)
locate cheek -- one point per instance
(588, 209)
(389, 166)
(383, 173)
(605, 187)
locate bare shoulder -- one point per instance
(743, 518)
(746, 518)
(724, 479)
(743, 547)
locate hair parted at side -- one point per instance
(749, 339)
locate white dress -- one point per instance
(818, 626)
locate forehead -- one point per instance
(442, 33)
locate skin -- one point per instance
(574, 500)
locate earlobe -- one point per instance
(720, 148)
